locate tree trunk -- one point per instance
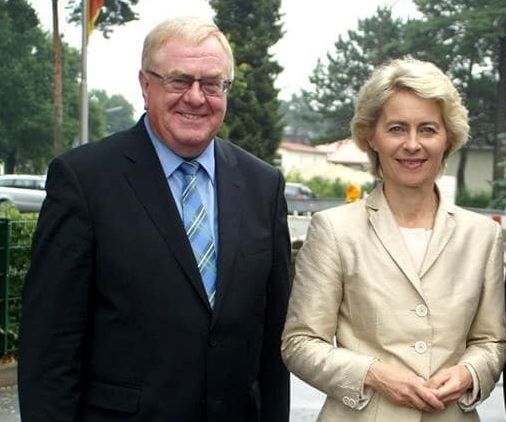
(58, 85)
(461, 171)
(10, 163)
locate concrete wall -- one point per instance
(295, 160)
(478, 169)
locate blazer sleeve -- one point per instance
(55, 304)
(274, 378)
(308, 347)
(485, 350)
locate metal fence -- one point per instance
(15, 246)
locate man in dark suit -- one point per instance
(159, 280)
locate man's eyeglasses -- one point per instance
(179, 84)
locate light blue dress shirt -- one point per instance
(205, 179)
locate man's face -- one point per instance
(186, 122)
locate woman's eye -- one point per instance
(428, 129)
(395, 129)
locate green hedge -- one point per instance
(325, 188)
(15, 245)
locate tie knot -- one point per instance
(189, 168)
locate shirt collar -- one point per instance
(170, 161)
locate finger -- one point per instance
(431, 400)
(432, 383)
(429, 397)
(438, 380)
(452, 397)
(420, 404)
(447, 390)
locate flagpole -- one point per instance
(84, 76)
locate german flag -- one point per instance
(94, 7)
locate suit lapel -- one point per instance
(229, 186)
(145, 176)
(385, 227)
(444, 226)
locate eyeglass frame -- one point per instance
(225, 83)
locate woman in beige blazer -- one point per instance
(397, 308)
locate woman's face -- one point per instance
(410, 139)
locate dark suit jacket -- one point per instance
(116, 324)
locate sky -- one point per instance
(311, 28)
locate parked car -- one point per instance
(25, 191)
(298, 191)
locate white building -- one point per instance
(344, 160)
(329, 161)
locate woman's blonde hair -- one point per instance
(422, 78)
(192, 29)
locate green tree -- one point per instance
(469, 42)
(336, 80)
(113, 13)
(116, 111)
(253, 119)
(25, 89)
(26, 113)
(300, 123)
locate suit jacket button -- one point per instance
(421, 310)
(420, 347)
(213, 343)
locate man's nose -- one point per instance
(195, 94)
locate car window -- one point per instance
(6, 182)
(40, 184)
(291, 190)
(306, 191)
(23, 183)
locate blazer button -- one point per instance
(213, 343)
(421, 310)
(420, 347)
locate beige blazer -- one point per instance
(357, 297)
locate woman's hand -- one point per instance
(402, 387)
(451, 383)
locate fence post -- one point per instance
(4, 284)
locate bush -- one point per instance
(473, 199)
(325, 188)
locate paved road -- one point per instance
(306, 401)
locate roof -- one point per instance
(344, 152)
(296, 147)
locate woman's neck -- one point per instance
(413, 207)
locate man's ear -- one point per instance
(144, 83)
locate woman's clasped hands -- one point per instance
(403, 387)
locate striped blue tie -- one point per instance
(198, 228)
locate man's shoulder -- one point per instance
(244, 159)
(105, 148)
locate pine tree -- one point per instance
(469, 43)
(253, 119)
(337, 79)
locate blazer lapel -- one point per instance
(145, 176)
(444, 226)
(230, 187)
(387, 230)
